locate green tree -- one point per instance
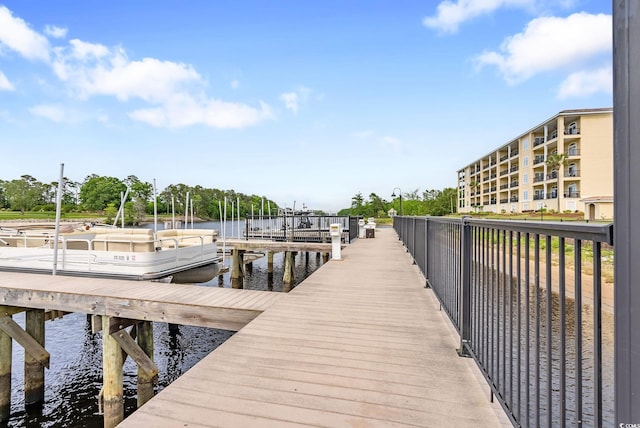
(4, 202)
(97, 192)
(555, 162)
(24, 194)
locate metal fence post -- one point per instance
(465, 288)
(426, 253)
(626, 94)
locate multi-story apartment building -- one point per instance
(519, 176)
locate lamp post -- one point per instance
(393, 195)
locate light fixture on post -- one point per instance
(393, 195)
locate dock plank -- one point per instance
(360, 342)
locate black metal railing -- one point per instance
(527, 301)
(299, 228)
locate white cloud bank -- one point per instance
(450, 15)
(16, 35)
(588, 82)
(174, 91)
(5, 85)
(551, 43)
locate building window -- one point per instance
(525, 178)
(525, 143)
(525, 161)
(525, 207)
(525, 195)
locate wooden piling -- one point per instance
(325, 257)
(237, 280)
(33, 368)
(5, 375)
(288, 275)
(145, 381)
(112, 378)
(270, 265)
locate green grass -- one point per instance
(46, 215)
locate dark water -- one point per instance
(74, 379)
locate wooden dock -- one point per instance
(360, 343)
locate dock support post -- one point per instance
(325, 257)
(270, 265)
(145, 380)
(112, 377)
(288, 276)
(236, 269)
(5, 375)
(33, 368)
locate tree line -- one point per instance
(103, 194)
(415, 203)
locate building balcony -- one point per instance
(552, 195)
(514, 168)
(538, 178)
(504, 158)
(537, 141)
(514, 184)
(514, 199)
(572, 131)
(553, 135)
(538, 196)
(504, 172)
(573, 152)
(574, 194)
(504, 186)
(571, 173)
(514, 153)
(494, 188)
(538, 159)
(504, 201)
(553, 175)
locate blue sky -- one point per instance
(308, 101)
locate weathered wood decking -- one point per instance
(223, 308)
(360, 343)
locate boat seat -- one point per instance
(124, 242)
(186, 237)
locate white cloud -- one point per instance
(184, 110)
(55, 32)
(235, 84)
(290, 100)
(293, 100)
(16, 35)
(173, 89)
(585, 83)
(52, 112)
(5, 85)
(451, 14)
(551, 43)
